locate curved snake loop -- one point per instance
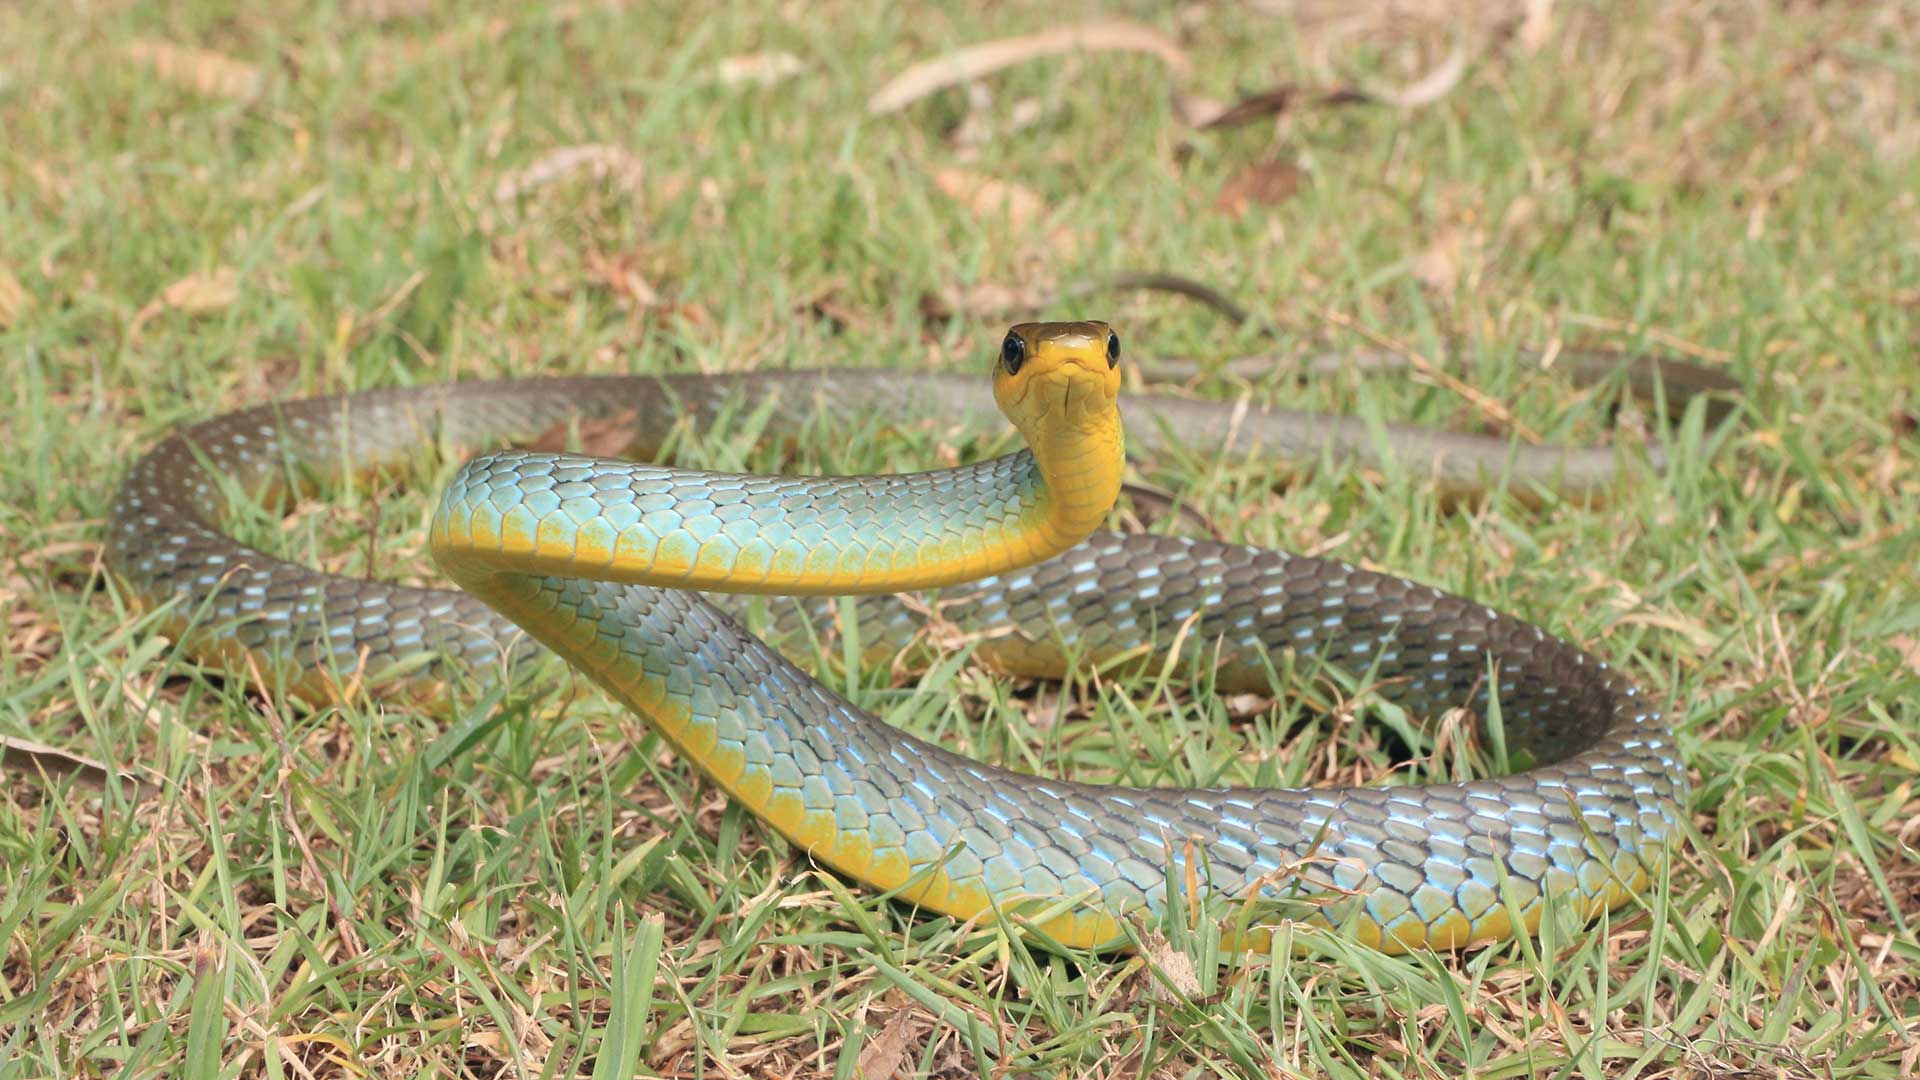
(533, 535)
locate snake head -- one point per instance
(1059, 382)
(1053, 379)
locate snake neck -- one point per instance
(1080, 468)
(570, 516)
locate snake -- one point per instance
(625, 569)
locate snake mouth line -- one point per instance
(1079, 394)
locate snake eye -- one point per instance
(1013, 353)
(1113, 350)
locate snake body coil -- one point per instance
(532, 535)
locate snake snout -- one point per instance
(1073, 396)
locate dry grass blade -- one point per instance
(1426, 90)
(200, 70)
(1490, 409)
(1158, 502)
(1536, 25)
(596, 160)
(758, 69)
(385, 11)
(14, 300)
(1666, 338)
(978, 61)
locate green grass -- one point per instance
(531, 886)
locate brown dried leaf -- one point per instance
(977, 61)
(1174, 966)
(1245, 706)
(1536, 25)
(36, 759)
(1438, 267)
(691, 313)
(989, 197)
(1521, 213)
(605, 436)
(195, 294)
(1203, 114)
(199, 70)
(1269, 183)
(491, 1043)
(623, 275)
(984, 299)
(758, 69)
(827, 306)
(1269, 102)
(14, 299)
(1888, 468)
(203, 294)
(598, 161)
(1909, 650)
(885, 1053)
(1197, 110)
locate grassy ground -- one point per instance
(311, 204)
